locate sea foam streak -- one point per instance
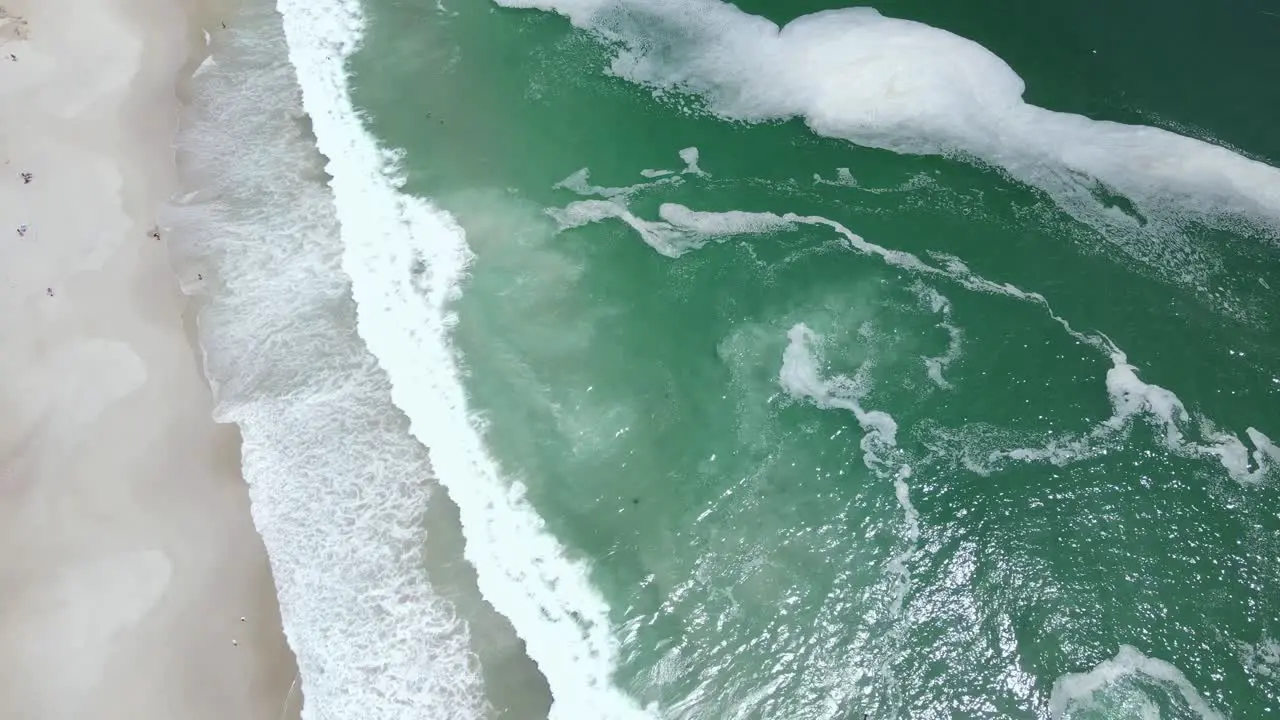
(406, 260)
(1082, 689)
(680, 230)
(800, 378)
(937, 303)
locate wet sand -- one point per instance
(132, 582)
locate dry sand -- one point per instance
(127, 553)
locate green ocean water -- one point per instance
(703, 430)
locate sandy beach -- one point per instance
(132, 581)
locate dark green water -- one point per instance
(702, 429)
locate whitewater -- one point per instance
(680, 230)
(330, 346)
(910, 88)
(406, 260)
(339, 489)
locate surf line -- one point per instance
(406, 319)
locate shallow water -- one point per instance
(378, 605)
(798, 371)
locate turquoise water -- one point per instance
(822, 377)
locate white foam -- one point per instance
(844, 178)
(339, 489)
(679, 231)
(405, 320)
(579, 181)
(682, 230)
(801, 379)
(937, 365)
(722, 224)
(1081, 689)
(1243, 465)
(937, 303)
(900, 564)
(205, 66)
(907, 87)
(667, 240)
(690, 157)
(1131, 396)
(1131, 399)
(1262, 658)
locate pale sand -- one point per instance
(127, 553)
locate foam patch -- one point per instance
(1110, 686)
(907, 87)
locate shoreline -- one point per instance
(133, 583)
